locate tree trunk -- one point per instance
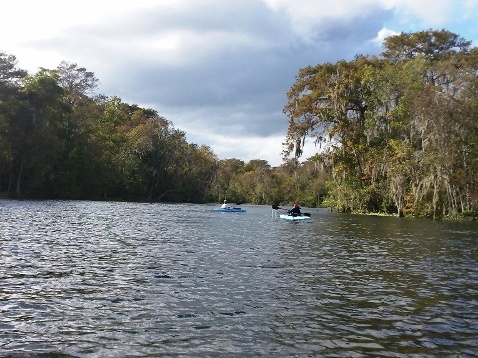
(19, 177)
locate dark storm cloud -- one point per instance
(242, 81)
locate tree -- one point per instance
(9, 72)
(11, 103)
(329, 102)
(38, 128)
(432, 44)
(225, 179)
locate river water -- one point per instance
(107, 279)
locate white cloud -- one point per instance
(382, 35)
(431, 13)
(309, 15)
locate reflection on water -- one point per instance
(91, 279)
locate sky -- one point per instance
(218, 70)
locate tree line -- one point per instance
(395, 133)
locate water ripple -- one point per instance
(91, 279)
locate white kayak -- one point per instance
(294, 217)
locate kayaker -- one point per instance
(225, 206)
(295, 211)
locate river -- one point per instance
(110, 279)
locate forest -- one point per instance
(395, 134)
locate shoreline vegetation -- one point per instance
(397, 135)
(469, 216)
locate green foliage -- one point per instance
(57, 141)
(399, 132)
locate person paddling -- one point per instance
(295, 211)
(224, 205)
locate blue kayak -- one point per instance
(231, 210)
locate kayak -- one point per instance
(289, 216)
(294, 218)
(231, 210)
